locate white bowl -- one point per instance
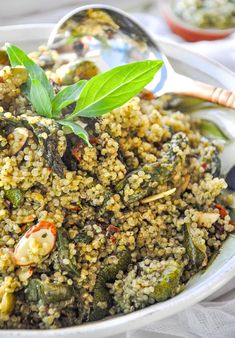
(221, 271)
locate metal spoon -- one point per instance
(110, 37)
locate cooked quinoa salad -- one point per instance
(93, 231)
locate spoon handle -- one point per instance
(207, 92)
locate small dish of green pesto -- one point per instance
(218, 14)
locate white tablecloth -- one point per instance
(208, 319)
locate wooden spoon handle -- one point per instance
(207, 92)
(214, 94)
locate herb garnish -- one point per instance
(96, 97)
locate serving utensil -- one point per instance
(110, 37)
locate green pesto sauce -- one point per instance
(219, 14)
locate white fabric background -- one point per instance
(205, 320)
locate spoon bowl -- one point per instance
(110, 37)
(107, 36)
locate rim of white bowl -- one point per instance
(156, 312)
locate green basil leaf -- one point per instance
(76, 129)
(66, 96)
(40, 99)
(111, 89)
(18, 57)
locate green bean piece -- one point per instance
(63, 252)
(195, 249)
(49, 145)
(34, 290)
(159, 172)
(168, 281)
(102, 300)
(48, 293)
(15, 196)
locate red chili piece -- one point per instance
(112, 229)
(222, 211)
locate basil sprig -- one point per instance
(96, 97)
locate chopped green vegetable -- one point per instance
(109, 272)
(195, 248)
(50, 148)
(168, 281)
(48, 293)
(63, 250)
(49, 145)
(101, 294)
(15, 196)
(159, 172)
